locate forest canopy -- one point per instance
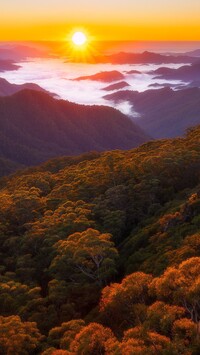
(100, 253)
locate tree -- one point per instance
(161, 317)
(92, 339)
(17, 337)
(88, 256)
(124, 304)
(189, 248)
(53, 351)
(184, 329)
(14, 296)
(181, 286)
(140, 341)
(62, 336)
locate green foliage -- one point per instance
(107, 241)
(85, 256)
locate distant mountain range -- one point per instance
(144, 58)
(184, 73)
(35, 127)
(20, 52)
(164, 113)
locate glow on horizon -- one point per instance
(107, 19)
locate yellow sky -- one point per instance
(105, 19)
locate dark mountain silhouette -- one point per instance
(106, 76)
(144, 58)
(164, 112)
(116, 86)
(7, 89)
(8, 65)
(184, 73)
(35, 127)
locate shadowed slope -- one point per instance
(164, 113)
(35, 127)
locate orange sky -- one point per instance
(105, 19)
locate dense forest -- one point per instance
(100, 253)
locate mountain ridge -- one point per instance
(8, 89)
(163, 113)
(36, 127)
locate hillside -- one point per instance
(8, 167)
(164, 113)
(35, 127)
(7, 89)
(102, 252)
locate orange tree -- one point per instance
(17, 337)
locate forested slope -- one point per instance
(100, 253)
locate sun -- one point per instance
(79, 38)
(80, 46)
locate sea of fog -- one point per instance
(55, 75)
